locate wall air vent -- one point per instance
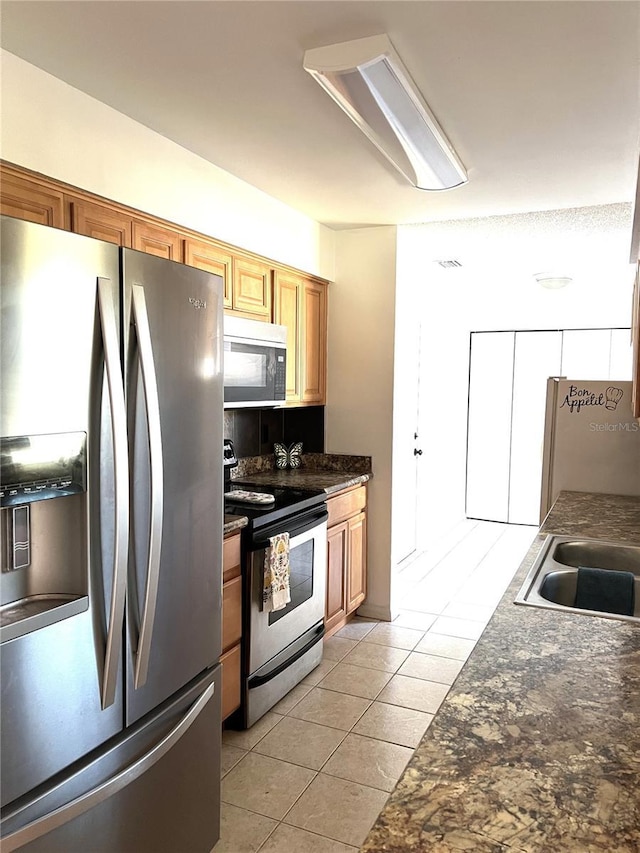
(449, 264)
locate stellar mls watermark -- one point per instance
(629, 426)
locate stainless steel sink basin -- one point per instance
(552, 580)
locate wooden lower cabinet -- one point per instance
(231, 624)
(346, 557)
(230, 662)
(336, 596)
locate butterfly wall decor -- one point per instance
(288, 457)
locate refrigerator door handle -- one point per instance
(141, 322)
(111, 350)
(95, 796)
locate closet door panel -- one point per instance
(489, 425)
(537, 356)
(585, 353)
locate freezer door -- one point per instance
(52, 376)
(155, 789)
(173, 380)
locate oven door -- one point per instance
(271, 632)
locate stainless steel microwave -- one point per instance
(255, 363)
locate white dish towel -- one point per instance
(276, 592)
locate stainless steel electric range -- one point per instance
(283, 646)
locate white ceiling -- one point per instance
(540, 99)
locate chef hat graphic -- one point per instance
(612, 397)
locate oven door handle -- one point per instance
(259, 680)
(292, 529)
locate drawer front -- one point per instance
(231, 557)
(231, 613)
(345, 505)
(230, 663)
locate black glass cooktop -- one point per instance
(288, 502)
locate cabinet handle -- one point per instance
(417, 452)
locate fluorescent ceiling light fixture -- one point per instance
(367, 79)
(552, 280)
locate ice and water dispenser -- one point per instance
(43, 517)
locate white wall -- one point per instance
(495, 290)
(52, 128)
(359, 412)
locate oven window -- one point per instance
(300, 579)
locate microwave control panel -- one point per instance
(281, 375)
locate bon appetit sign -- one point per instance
(579, 397)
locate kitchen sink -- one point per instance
(552, 581)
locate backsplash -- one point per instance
(254, 431)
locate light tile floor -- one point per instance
(314, 773)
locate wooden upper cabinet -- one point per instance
(251, 291)
(25, 199)
(314, 336)
(155, 240)
(252, 288)
(102, 223)
(287, 311)
(209, 257)
(300, 304)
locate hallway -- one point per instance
(313, 774)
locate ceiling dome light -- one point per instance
(552, 280)
(367, 79)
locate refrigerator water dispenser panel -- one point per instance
(39, 467)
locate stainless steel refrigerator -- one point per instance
(111, 453)
(591, 440)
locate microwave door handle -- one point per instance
(115, 388)
(141, 322)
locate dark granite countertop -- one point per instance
(233, 523)
(331, 472)
(306, 478)
(537, 746)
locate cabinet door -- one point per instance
(230, 557)
(212, 258)
(102, 223)
(252, 288)
(536, 357)
(230, 664)
(586, 353)
(337, 556)
(287, 295)
(231, 613)
(489, 425)
(357, 561)
(314, 355)
(24, 199)
(155, 240)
